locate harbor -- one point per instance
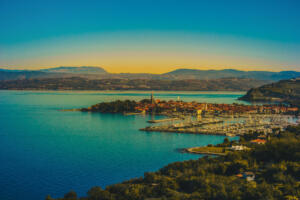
(205, 118)
(234, 125)
(217, 119)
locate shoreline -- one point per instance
(190, 150)
(223, 124)
(193, 151)
(186, 132)
(136, 91)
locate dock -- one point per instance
(133, 113)
(162, 120)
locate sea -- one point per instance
(44, 150)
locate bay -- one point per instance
(46, 151)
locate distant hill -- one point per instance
(226, 73)
(77, 70)
(58, 72)
(79, 83)
(283, 91)
(23, 74)
(179, 74)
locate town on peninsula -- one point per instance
(204, 118)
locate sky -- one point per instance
(150, 36)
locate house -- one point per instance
(258, 141)
(239, 148)
(262, 137)
(249, 176)
(199, 112)
(293, 109)
(239, 175)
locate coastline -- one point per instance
(136, 91)
(209, 119)
(100, 126)
(194, 151)
(185, 132)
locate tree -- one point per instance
(226, 140)
(96, 193)
(71, 195)
(48, 197)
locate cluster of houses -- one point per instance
(203, 108)
(249, 176)
(258, 141)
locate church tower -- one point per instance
(152, 98)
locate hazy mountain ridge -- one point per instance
(214, 74)
(76, 70)
(57, 72)
(179, 74)
(22, 74)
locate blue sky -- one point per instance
(151, 35)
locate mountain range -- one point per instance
(76, 70)
(91, 72)
(226, 73)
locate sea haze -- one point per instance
(47, 151)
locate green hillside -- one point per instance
(287, 91)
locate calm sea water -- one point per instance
(47, 151)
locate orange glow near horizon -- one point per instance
(156, 63)
(151, 52)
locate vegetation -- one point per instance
(213, 74)
(81, 83)
(287, 91)
(209, 150)
(276, 166)
(113, 107)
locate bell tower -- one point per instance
(152, 98)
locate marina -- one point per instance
(234, 125)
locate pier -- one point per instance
(163, 120)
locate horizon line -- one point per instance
(191, 68)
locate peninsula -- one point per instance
(287, 91)
(203, 118)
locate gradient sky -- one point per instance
(153, 36)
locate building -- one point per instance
(199, 112)
(239, 148)
(152, 98)
(258, 141)
(249, 176)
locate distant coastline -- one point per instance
(79, 83)
(133, 91)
